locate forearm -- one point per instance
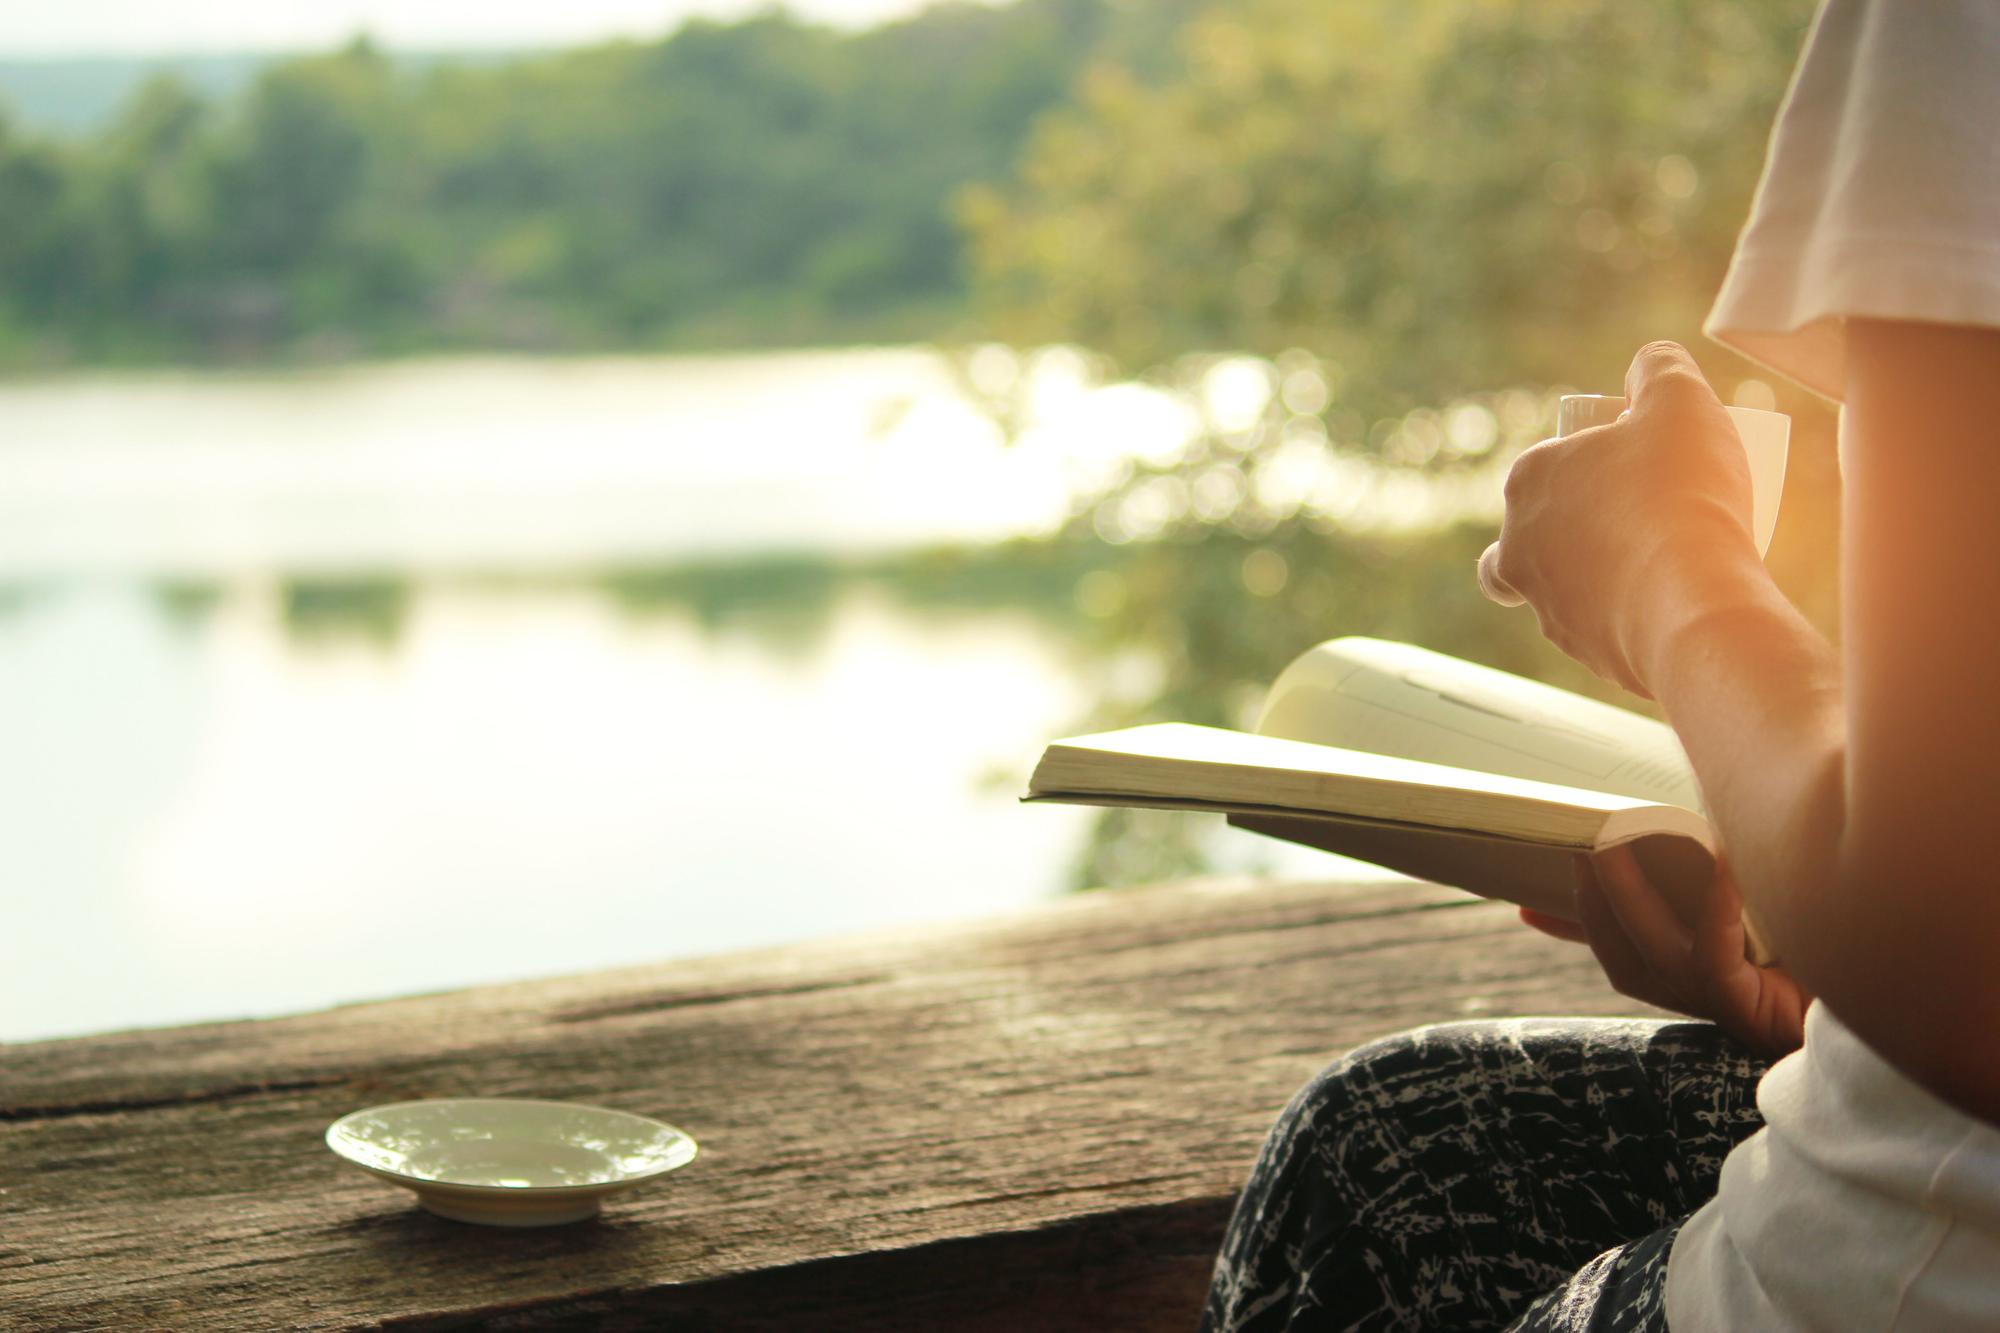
(1853, 792)
(1754, 692)
(1887, 917)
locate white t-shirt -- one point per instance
(1865, 1203)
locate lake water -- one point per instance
(522, 464)
(217, 802)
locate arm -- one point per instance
(1850, 794)
(1858, 799)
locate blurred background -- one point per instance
(496, 490)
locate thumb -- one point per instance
(1664, 374)
(1719, 938)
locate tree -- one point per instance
(1438, 198)
(766, 181)
(1363, 243)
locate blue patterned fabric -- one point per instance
(1524, 1174)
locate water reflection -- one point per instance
(215, 817)
(393, 678)
(187, 601)
(372, 609)
(785, 602)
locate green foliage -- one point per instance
(758, 182)
(1442, 197)
(1385, 215)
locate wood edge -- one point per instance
(1146, 1266)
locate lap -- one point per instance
(1448, 1176)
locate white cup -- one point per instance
(1766, 438)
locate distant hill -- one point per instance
(75, 98)
(78, 97)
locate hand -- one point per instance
(1604, 526)
(1648, 953)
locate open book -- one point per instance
(1424, 764)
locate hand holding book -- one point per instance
(1466, 776)
(1416, 761)
(1701, 968)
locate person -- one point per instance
(1621, 1175)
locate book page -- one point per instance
(1401, 700)
(1176, 764)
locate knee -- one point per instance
(1381, 1078)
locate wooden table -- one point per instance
(1037, 1122)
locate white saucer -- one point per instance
(509, 1162)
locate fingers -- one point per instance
(1526, 477)
(1642, 910)
(1624, 966)
(1718, 944)
(1496, 588)
(1560, 927)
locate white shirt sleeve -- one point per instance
(1881, 191)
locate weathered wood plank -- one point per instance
(1033, 1122)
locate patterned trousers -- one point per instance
(1524, 1174)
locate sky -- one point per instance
(39, 28)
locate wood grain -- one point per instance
(1038, 1121)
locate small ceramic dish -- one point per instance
(509, 1162)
